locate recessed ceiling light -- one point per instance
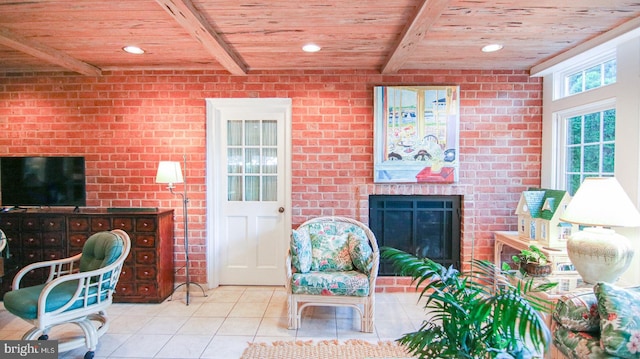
(311, 48)
(133, 50)
(492, 48)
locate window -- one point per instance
(588, 145)
(595, 73)
(584, 115)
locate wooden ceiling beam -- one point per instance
(40, 51)
(191, 20)
(426, 15)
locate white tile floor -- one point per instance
(221, 324)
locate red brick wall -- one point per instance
(125, 122)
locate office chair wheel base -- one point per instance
(89, 355)
(43, 337)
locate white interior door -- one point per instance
(249, 211)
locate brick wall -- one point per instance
(125, 122)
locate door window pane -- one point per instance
(234, 160)
(234, 189)
(252, 186)
(252, 133)
(252, 160)
(234, 133)
(269, 188)
(270, 133)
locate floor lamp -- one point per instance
(169, 172)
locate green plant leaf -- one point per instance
(478, 314)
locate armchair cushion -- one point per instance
(301, 251)
(100, 250)
(24, 302)
(578, 312)
(577, 345)
(330, 252)
(361, 253)
(619, 324)
(346, 283)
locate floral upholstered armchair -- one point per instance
(332, 261)
(603, 323)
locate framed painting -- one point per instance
(416, 134)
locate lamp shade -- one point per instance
(602, 202)
(169, 172)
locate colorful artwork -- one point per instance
(416, 134)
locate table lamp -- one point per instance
(598, 253)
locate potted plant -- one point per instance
(532, 262)
(480, 314)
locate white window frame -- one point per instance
(560, 77)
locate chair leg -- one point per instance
(367, 317)
(294, 322)
(90, 334)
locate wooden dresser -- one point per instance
(147, 275)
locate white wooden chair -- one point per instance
(78, 290)
(321, 271)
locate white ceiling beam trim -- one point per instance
(191, 20)
(42, 52)
(413, 33)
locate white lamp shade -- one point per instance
(601, 202)
(169, 172)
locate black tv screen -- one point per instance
(42, 181)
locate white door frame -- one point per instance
(213, 107)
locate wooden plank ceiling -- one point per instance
(237, 36)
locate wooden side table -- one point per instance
(558, 258)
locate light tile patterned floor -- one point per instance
(221, 324)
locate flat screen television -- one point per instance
(43, 181)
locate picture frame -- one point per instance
(416, 134)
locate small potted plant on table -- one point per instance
(532, 262)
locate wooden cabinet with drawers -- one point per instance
(147, 276)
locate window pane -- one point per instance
(252, 160)
(574, 84)
(269, 133)
(269, 188)
(592, 128)
(573, 182)
(234, 160)
(593, 78)
(592, 159)
(252, 187)
(574, 156)
(270, 160)
(610, 70)
(234, 133)
(234, 188)
(609, 127)
(608, 155)
(575, 131)
(252, 133)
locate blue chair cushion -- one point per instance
(100, 250)
(24, 301)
